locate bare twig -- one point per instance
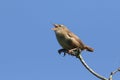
(89, 69)
(76, 52)
(113, 73)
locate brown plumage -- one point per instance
(69, 40)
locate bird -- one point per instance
(68, 40)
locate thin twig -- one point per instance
(89, 69)
(113, 73)
(76, 52)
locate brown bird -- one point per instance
(68, 40)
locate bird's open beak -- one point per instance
(55, 26)
(53, 29)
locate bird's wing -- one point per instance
(72, 35)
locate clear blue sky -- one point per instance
(28, 47)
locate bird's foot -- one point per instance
(74, 52)
(63, 50)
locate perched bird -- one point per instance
(68, 40)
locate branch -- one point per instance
(89, 69)
(76, 52)
(113, 73)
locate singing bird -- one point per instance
(68, 40)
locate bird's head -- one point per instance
(59, 27)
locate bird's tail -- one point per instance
(89, 48)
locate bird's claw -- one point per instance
(73, 52)
(62, 50)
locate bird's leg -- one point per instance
(71, 52)
(78, 52)
(74, 52)
(63, 50)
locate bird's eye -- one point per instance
(61, 25)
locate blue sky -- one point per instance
(28, 47)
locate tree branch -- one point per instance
(77, 53)
(89, 69)
(113, 73)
